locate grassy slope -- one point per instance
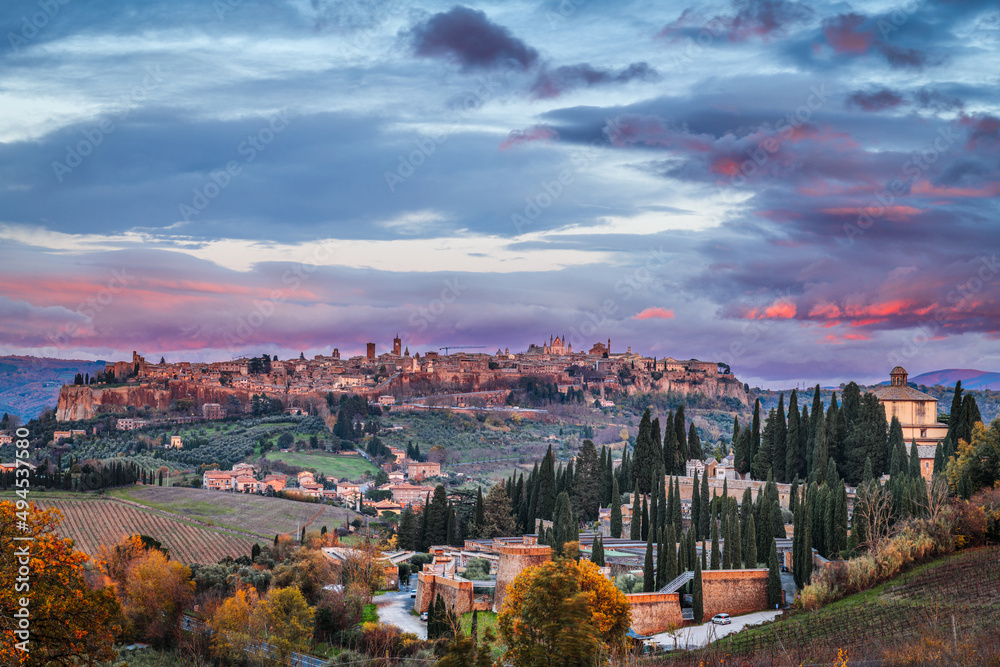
(256, 515)
(899, 610)
(331, 465)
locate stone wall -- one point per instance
(456, 593)
(734, 592)
(513, 560)
(653, 613)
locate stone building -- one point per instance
(916, 411)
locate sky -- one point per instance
(805, 191)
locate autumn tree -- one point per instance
(309, 570)
(153, 591)
(70, 623)
(562, 613)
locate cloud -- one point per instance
(553, 83)
(878, 100)
(536, 133)
(654, 313)
(844, 34)
(764, 19)
(467, 37)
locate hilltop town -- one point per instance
(469, 379)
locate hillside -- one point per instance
(28, 385)
(971, 379)
(256, 516)
(926, 616)
(92, 521)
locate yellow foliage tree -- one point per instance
(287, 622)
(264, 631)
(69, 624)
(152, 590)
(562, 613)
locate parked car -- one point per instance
(721, 619)
(413, 594)
(423, 616)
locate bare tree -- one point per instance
(874, 507)
(937, 497)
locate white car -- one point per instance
(721, 619)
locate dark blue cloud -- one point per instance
(466, 36)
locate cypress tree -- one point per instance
(644, 520)
(727, 552)
(670, 501)
(695, 504)
(681, 435)
(897, 453)
(840, 519)
(694, 444)
(609, 480)
(424, 528)
(616, 510)
(654, 501)
(778, 455)
(697, 597)
(605, 488)
(804, 443)
(670, 544)
(678, 515)
(671, 457)
(547, 486)
(450, 525)
(914, 460)
(704, 555)
(648, 573)
(661, 515)
(644, 452)
(597, 552)
(564, 525)
(820, 453)
(793, 496)
(736, 560)
(661, 559)
(751, 550)
(682, 561)
(938, 459)
(777, 522)
(480, 517)
(754, 432)
(635, 525)
(704, 512)
(773, 577)
(715, 564)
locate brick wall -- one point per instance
(734, 592)
(456, 593)
(513, 560)
(653, 613)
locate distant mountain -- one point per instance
(971, 379)
(28, 385)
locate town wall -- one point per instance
(734, 592)
(513, 560)
(456, 593)
(653, 613)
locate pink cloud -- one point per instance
(655, 313)
(536, 133)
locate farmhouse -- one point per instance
(421, 471)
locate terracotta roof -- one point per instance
(897, 393)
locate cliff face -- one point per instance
(718, 386)
(80, 402)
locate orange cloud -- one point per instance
(779, 310)
(655, 313)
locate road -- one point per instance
(394, 608)
(698, 636)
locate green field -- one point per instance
(258, 516)
(331, 465)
